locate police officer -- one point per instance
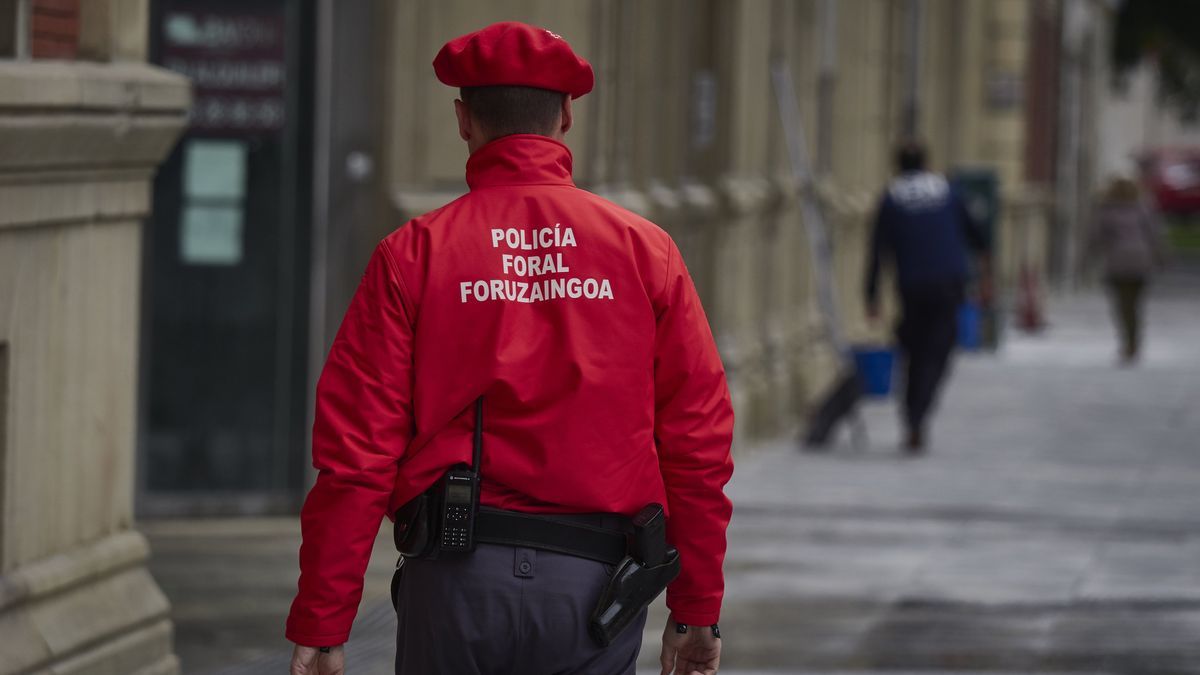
(923, 226)
(567, 332)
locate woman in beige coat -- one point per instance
(1129, 241)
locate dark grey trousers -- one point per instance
(927, 333)
(505, 611)
(1127, 302)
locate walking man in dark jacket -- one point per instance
(924, 227)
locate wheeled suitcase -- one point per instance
(838, 404)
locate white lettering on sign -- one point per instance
(527, 287)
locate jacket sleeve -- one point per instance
(363, 423)
(693, 429)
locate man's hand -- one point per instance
(986, 292)
(696, 652)
(311, 661)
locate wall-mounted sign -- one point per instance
(236, 62)
(214, 193)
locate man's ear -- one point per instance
(464, 120)
(568, 118)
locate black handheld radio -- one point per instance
(460, 497)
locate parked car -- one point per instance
(1173, 176)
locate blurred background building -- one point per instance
(315, 127)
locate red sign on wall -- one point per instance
(236, 61)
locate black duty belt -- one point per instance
(599, 537)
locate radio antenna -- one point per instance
(477, 455)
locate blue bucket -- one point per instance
(970, 326)
(874, 365)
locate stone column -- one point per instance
(79, 143)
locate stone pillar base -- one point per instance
(79, 143)
(92, 610)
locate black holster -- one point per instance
(415, 529)
(640, 577)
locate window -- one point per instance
(13, 18)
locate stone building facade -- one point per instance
(79, 143)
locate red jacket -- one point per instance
(578, 323)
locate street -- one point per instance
(1053, 528)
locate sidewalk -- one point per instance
(1054, 527)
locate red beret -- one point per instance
(515, 54)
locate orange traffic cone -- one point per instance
(1029, 307)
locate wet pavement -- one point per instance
(1053, 528)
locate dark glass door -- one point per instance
(225, 273)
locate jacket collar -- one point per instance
(520, 159)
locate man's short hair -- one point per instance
(505, 110)
(910, 156)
